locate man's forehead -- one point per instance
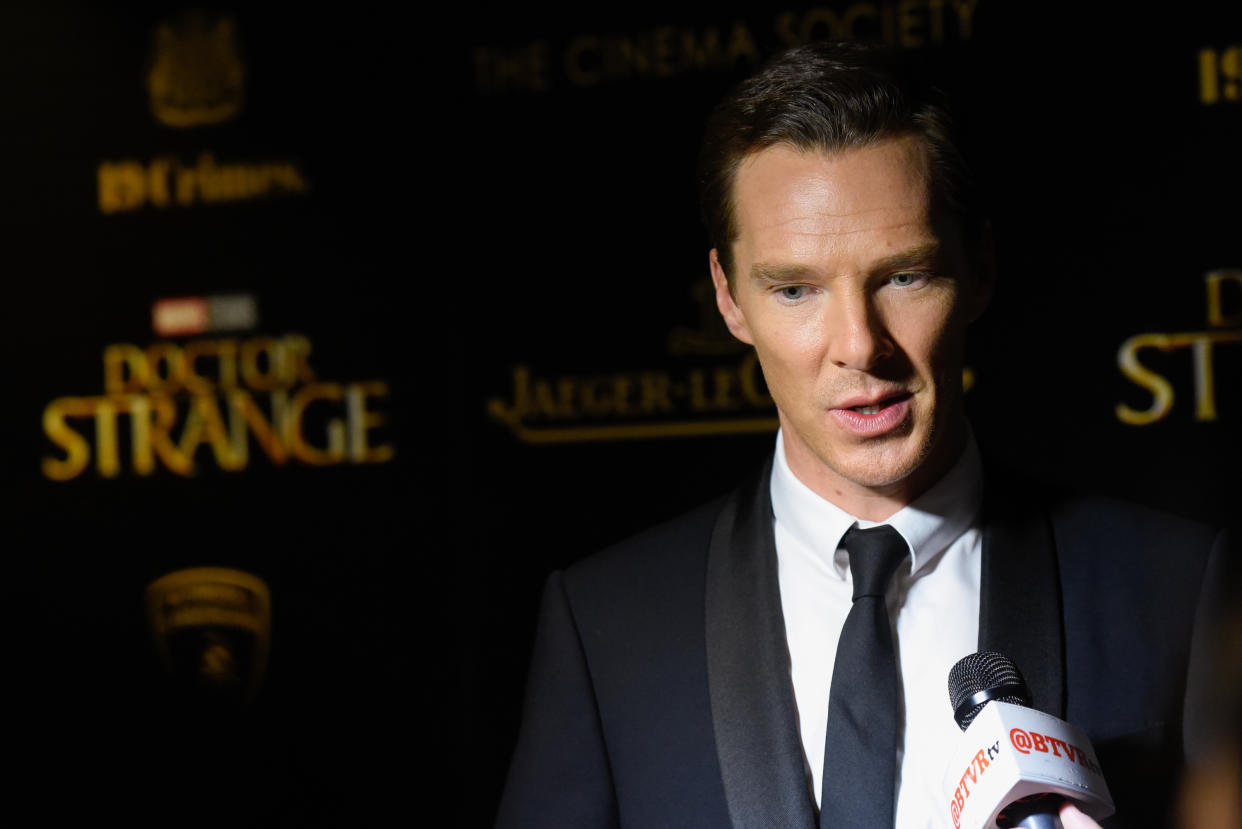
(911, 149)
(787, 190)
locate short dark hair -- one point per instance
(828, 96)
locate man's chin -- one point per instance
(882, 465)
(882, 479)
(886, 464)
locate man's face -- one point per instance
(856, 300)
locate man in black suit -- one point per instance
(738, 666)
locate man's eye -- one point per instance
(907, 279)
(793, 293)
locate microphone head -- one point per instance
(981, 677)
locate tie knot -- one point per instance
(874, 556)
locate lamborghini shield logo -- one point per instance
(212, 629)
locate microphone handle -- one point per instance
(1039, 811)
(1041, 821)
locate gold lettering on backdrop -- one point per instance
(1220, 75)
(512, 69)
(591, 59)
(662, 52)
(1223, 287)
(906, 24)
(658, 403)
(178, 406)
(360, 421)
(637, 404)
(1224, 298)
(1160, 389)
(77, 449)
(724, 396)
(165, 182)
(965, 16)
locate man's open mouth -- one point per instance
(876, 408)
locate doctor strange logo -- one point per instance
(216, 402)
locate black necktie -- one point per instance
(860, 754)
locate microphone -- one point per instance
(1014, 766)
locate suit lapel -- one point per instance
(765, 779)
(1020, 611)
(753, 713)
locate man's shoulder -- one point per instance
(1113, 555)
(1126, 530)
(641, 602)
(666, 552)
(1109, 521)
(672, 549)
(1084, 520)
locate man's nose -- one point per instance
(858, 337)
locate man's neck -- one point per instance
(880, 502)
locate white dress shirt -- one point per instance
(933, 606)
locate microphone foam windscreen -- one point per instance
(985, 671)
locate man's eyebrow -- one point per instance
(919, 255)
(925, 254)
(778, 274)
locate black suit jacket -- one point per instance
(660, 696)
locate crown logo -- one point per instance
(197, 76)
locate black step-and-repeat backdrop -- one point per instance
(329, 335)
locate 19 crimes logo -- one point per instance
(165, 182)
(211, 401)
(978, 765)
(196, 78)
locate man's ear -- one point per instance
(733, 316)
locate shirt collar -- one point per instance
(929, 524)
